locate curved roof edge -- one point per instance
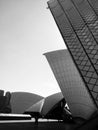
(51, 52)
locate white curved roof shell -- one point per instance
(37, 107)
(45, 105)
(20, 101)
(51, 101)
(71, 84)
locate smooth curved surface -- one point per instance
(72, 86)
(20, 101)
(37, 107)
(45, 105)
(51, 101)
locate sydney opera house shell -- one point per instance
(50, 107)
(20, 101)
(72, 86)
(77, 21)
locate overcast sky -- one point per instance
(27, 30)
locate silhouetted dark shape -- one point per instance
(6, 106)
(2, 101)
(59, 112)
(1, 92)
(7, 102)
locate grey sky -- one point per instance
(27, 30)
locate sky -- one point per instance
(27, 31)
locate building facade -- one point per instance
(77, 21)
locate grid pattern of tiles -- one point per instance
(82, 39)
(89, 17)
(71, 84)
(94, 5)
